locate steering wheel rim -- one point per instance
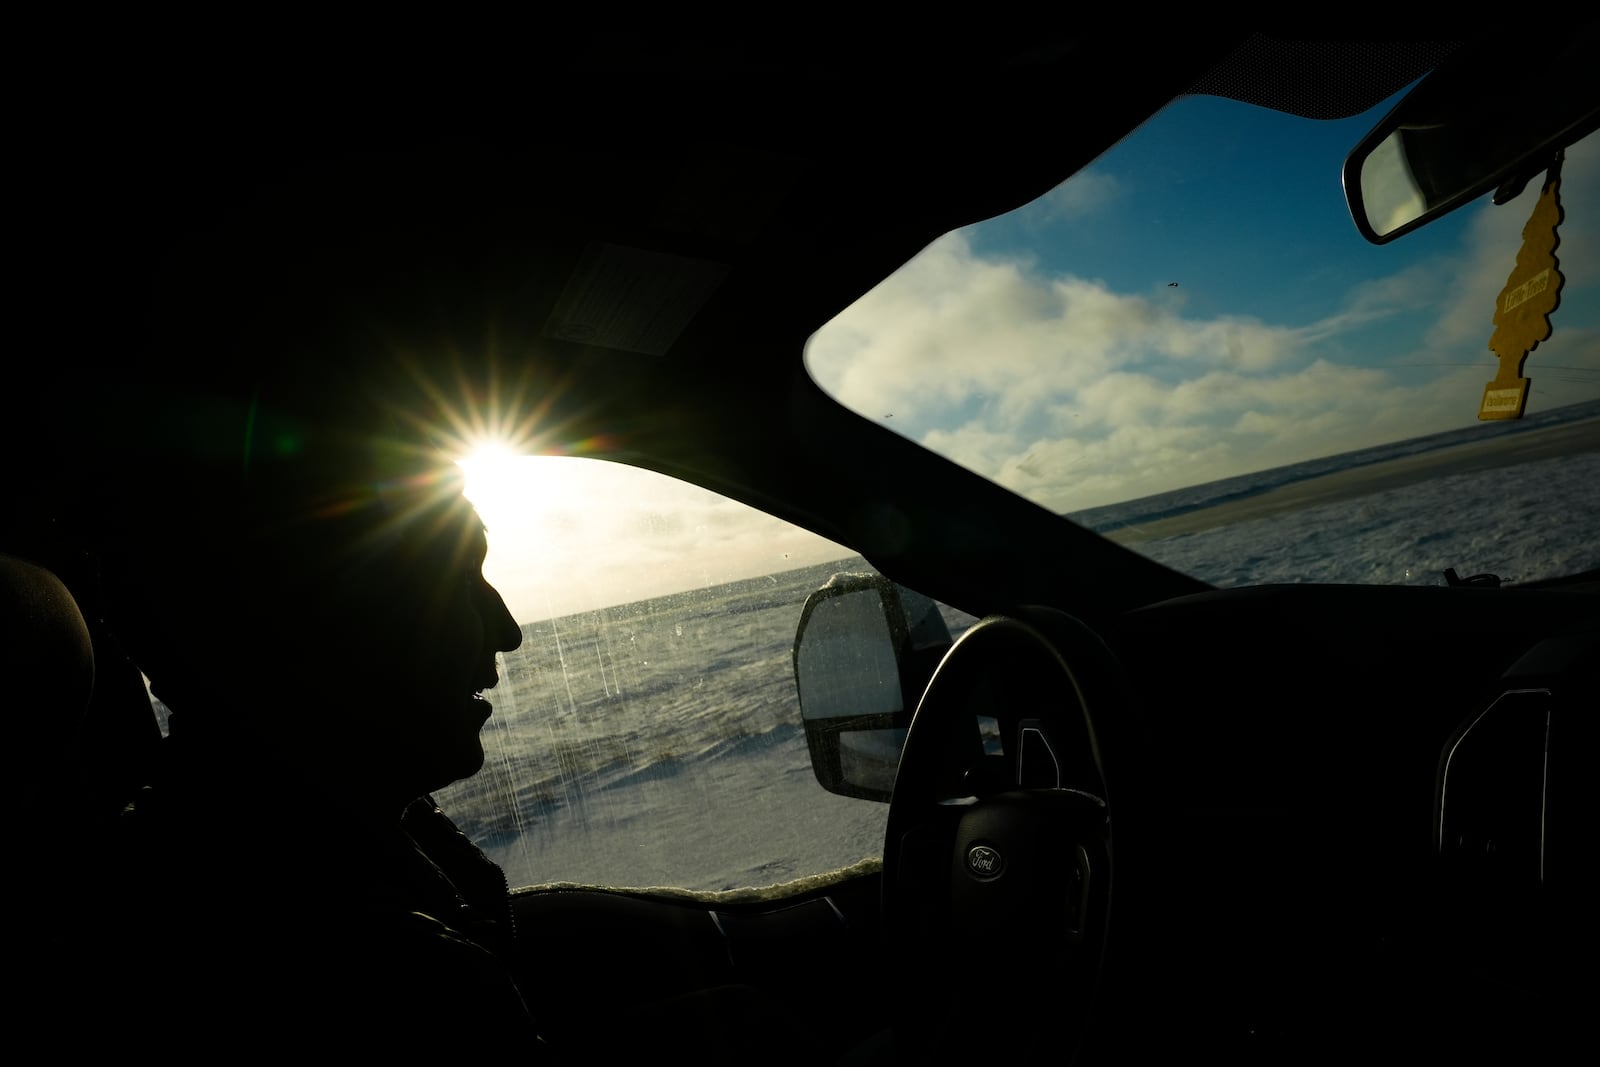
(998, 854)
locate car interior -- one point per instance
(1127, 813)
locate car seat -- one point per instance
(83, 729)
(81, 736)
(47, 660)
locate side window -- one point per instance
(647, 732)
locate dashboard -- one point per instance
(1368, 796)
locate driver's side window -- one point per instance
(647, 732)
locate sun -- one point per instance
(518, 494)
(496, 479)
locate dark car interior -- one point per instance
(1345, 817)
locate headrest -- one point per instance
(47, 661)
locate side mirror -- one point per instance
(1489, 118)
(863, 643)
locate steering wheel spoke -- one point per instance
(998, 863)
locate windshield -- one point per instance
(1189, 347)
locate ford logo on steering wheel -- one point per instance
(984, 862)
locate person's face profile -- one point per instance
(424, 627)
(439, 626)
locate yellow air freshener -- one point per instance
(1522, 313)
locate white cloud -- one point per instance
(975, 446)
(952, 328)
(1369, 302)
(1087, 193)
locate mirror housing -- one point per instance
(862, 644)
(1475, 123)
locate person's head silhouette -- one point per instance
(325, 610)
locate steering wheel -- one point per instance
(998, 854)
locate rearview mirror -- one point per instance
(863, 644)
(1488, 118)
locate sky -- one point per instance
(1196, 304)
(571, 534)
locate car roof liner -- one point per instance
(867, 145)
